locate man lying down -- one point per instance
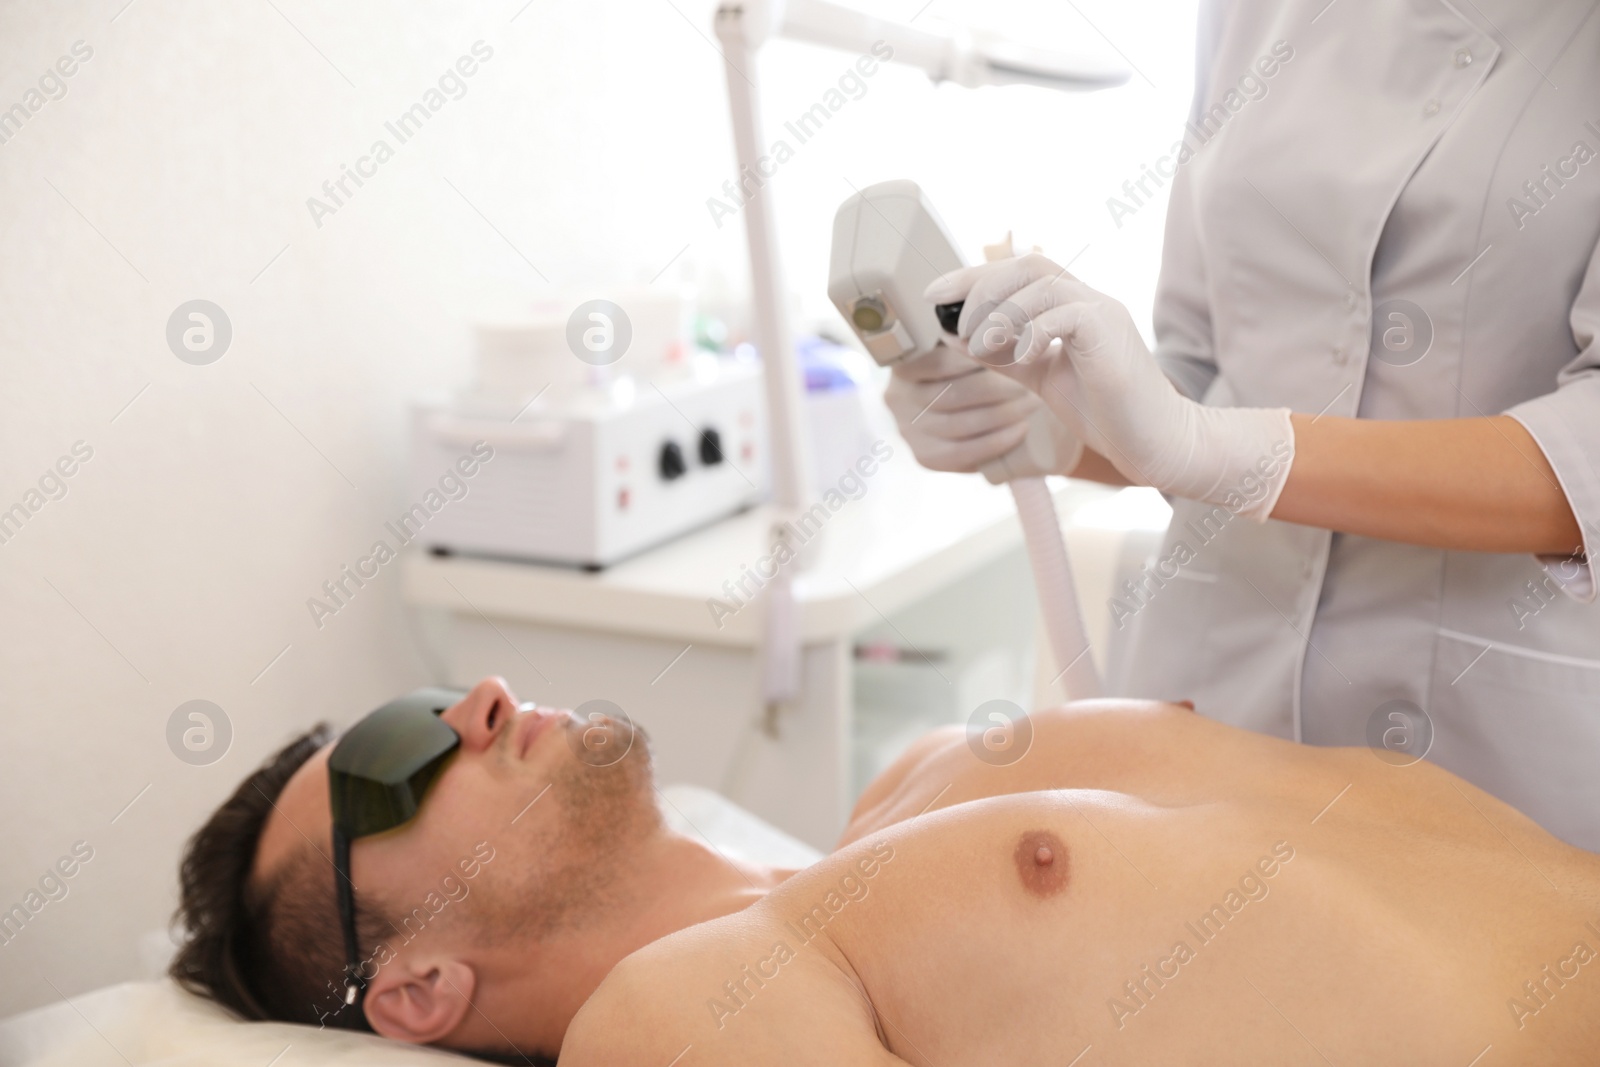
(1144, 886)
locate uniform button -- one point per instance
(1339, 353)
(1431, 108)
(1463, 58)
(1351, 301)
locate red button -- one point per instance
(622, 499)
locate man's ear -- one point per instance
(420, 1001)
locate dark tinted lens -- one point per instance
(382, 766)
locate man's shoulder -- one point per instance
(654, 1003)
(1122, 745)
(883, 789)
(623, 1021)
(746, 988)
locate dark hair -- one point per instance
(265, 952)
(272, 951)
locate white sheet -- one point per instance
(157, 1024)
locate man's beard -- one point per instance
(604, 813)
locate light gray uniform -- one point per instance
(1434, 167)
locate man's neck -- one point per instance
(661, 882)
(668, 883)
(676, 881)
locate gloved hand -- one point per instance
(1102, 378)
(958, 416)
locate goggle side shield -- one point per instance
(377, 775)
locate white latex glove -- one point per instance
(1101, 380)
(959, 416)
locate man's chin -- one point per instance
(605, 737)
(610, 777)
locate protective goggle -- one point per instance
(377, 775)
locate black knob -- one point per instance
(710, 447)
(672, 462)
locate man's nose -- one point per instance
(482, 714)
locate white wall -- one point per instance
(177, 166)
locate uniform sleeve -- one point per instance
(1182, 311)
(1566, 425)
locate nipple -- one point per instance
(1041, 862)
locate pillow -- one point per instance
(695, 811)
(158, 1024)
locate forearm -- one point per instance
(1094, 467)
(1479, 484)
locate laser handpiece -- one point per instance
(888, 245)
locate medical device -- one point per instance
(888, 245)
(592, 472)
(965, 56)
(959, 55)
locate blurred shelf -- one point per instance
(912, 532)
